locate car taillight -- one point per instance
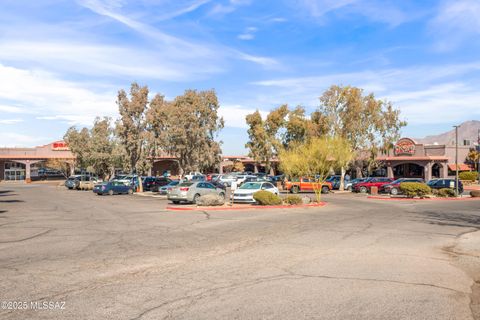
(184, 189)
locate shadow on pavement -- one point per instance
(453, 219)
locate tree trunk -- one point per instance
(342, 179)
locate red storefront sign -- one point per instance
(59, 146)
(404, 146)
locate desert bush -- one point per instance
(266, 198)
(468, 175)
(415, 189)
(475, 193)
(210, 200)
(293, 199)
(446, 193)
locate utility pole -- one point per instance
(456, 160)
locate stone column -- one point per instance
(444, 170)
(427, 169)
(390, 170)
(255, 168)
(28, 178)
(272, 171)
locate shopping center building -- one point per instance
(407, 159)
(410, 159)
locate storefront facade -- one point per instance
(21, 164)
(410, 159)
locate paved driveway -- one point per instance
(125, 257)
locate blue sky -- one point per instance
(62, 62)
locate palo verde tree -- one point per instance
(187, 128)
(314, 158)
(131, 127)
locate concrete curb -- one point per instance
(425, 199)
(252, 207)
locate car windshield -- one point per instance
(432, 182)
(251, 186)
(173, 183)
(398, 181)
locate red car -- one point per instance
(394, 187)
(366, 186)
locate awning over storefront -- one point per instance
(461, 167)
(410, 158)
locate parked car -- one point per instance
(73, 181)
(112, 187)
(356, 181)
(191, 191)
(306, 184)
(445, 184)
(227, 179)
(87, 183)
(190, 175)
(156, 183)
(168, 187)
(394, 187)
(335, 181)
(246, 191)
(219, 185)
(366, 186)
(199, 177)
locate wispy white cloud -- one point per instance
(455, 22)
(425, 94)
(10, 121)
(12, 139)
(177, 46)
(234, 115)
(248, 34)
(229, 7)
(11, 109)
(384, 11)
(44, 93)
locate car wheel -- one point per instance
(130, 191)
(325, 190)
(363, 190)
(195, 198)
(221, 194)
(394, 191)
(349, 188)
(294, 189)
(110, 192)
(176, 202)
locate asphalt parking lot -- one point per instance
(126, 257)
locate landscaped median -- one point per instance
(227, 207)
(399, 198)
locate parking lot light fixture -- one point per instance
(456, 160)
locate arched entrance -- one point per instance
(408, 170)
(436, 170)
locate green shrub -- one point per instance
(266, 198)
(475, 193)
(293, 199)
(446, 193)
(415, 189)
(468, 175)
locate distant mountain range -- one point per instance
(466, 131)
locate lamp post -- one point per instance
(478, 154)
(456, 160)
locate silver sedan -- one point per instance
(191, 191)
